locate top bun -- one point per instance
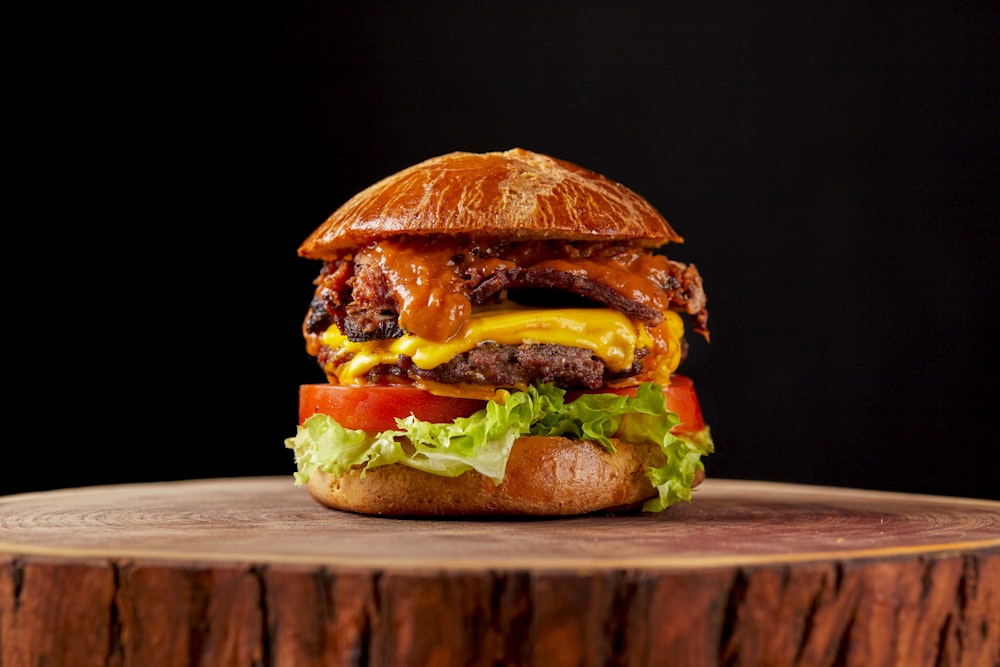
(514, 195)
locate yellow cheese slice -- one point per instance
(609, 334)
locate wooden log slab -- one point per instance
(250, 571)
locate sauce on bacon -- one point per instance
(431, 280)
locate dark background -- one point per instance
(835, 172)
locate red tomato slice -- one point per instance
(376, 408)
(683, 399)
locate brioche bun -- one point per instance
(515, 195)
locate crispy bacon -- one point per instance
(564, 281)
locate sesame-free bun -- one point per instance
(545, 476)
(515, 195)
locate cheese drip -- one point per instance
(609, 334)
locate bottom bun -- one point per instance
(545, 476)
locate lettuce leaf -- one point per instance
(482, 441)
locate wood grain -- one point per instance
(251, 571)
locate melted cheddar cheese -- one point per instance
(609, 334)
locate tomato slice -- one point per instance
(376, 408)
(683, 399)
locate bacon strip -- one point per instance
(581, 285)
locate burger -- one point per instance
(499, 334)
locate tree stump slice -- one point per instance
(250, 571)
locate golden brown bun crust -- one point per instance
(515, 195)
(546, 476)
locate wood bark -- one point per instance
(186, 574)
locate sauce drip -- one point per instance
(427, 286)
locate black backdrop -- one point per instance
(833, 169)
